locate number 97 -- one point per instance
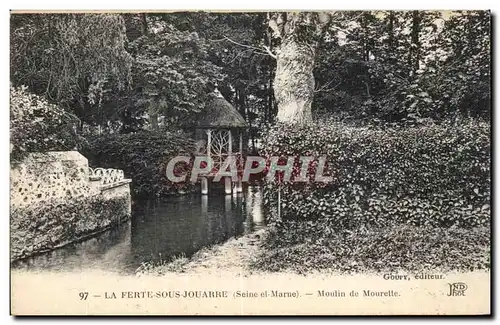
(83, 295)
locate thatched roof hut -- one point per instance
(218, 131)
(219, 114)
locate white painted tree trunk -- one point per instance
(294, 82)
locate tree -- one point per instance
(124, 72)
(460, 79)
(171, 68)
(405, 66)
(299, 34)
(240, 44)
(74, 60)
(37, 126)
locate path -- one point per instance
(232, 257)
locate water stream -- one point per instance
(159, 231)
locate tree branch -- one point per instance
(269, 51)
(273, 23)
(323, 88)
(256, 49)
(341, 30)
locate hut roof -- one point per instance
(219, 113)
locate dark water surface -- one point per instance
(159, 230)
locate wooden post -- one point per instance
(239, 187)
(204, 180)
(227, 185)
(209, 142)
(279, 201)
(204, 205)
(233, 188)
(228, 181)
(204, 185)
(241, 143)
(256, 205)
(228, 202)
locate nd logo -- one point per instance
(457, 289)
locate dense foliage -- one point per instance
(131, 71)
(37, 126)
(77, 61)
(303, 247)
(427, 175)
(171, 69)
(404, 66)
(46, 225)
(143, 156)
(424, 179)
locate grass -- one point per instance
(161, 267)
(177, 264)
(233, 257)
(301, 248)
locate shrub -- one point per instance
(302, 246)
(409, 198)
(37, 126)
(45, 225)
(434, 175)
(143, 156)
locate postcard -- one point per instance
(250, 163)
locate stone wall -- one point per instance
(53, 175)
(56, 199)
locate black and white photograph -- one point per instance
(304, 162)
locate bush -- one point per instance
(435, 175)
(37, 126)
(143, 156)
(300, 246)
(46, 225)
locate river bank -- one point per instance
(402, 249)
(232, 257)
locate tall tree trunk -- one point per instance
(364, 37)
(241, 101)
(391, 30)
(269, 102)
(270, 106)
(414, 58)
(144, 24)
(391, 45)
(153, 117)
(152, 109)
(294, 80)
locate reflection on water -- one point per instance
(160, 230)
